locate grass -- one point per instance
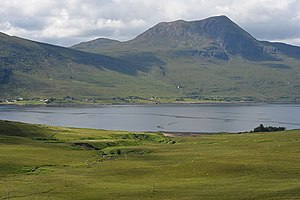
(44, 162)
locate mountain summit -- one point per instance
(215, 33)
(217, 37)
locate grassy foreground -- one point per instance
(43, 162)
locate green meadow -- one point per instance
(45, 162)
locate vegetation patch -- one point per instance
(155, 138)
(262, 128)
(127, 165)
(83, 145)
(113, 152)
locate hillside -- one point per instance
(216, 57)
(209, 59)
(30, 69)
(47, 162)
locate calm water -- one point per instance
(181, 118)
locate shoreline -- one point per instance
(152, 104)
(165, 133)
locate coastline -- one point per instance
(165, 133)
(168, 119)
(151, 104)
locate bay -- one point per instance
(174, 118)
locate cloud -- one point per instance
(71, 21)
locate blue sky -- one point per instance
(67, 22)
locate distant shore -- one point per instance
(135, 100)
(66, 104)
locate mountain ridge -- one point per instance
(217, 33)
(53, 51)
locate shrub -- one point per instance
(262, 128)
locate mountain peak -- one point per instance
(219, 17)
(216, 36)
(218, 32)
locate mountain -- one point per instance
(216, 36)
(215, 57)
(219, 34)
(212, 58)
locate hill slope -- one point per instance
(31, 69)
(71, 163)
(215, 57)
(212, 58)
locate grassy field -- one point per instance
(43, 162)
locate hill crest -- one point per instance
(94, 44)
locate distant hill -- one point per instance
(216, 57)
(21, 53)
(212, 58)
(32, 69)
(94, 44)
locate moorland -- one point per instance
(47, 162)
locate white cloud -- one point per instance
(71, 21)
(109, 23)
(137, 22)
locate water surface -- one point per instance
(177, 118)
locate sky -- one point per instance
(68, 22)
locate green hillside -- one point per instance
(44, 162)
(210, 59)
(29, 69)
(215, 57)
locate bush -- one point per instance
(261, 128)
